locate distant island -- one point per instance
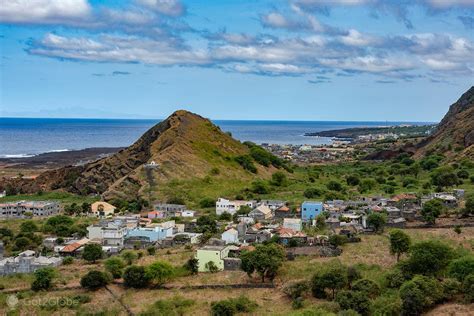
(405, 131)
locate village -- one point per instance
(218, 239)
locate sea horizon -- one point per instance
(26, 137)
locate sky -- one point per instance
(343, 60)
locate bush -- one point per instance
(311, 193)
(175, 306)
(389, 305)
(94, 280)
(368, 287)
(115, 267)
(160, 272)
(451, 288)
(461, 268)
(354, 300)
(352, 180)
(332, 278)
(92, 252)
(436, 253)
(260, 187)
(377, 221)
(337, 240)
(279, 179)
(207, 203)
(129, 256)
(468, 288)
(232, 306)
(431, 210)
(192, 265)
(419, 294)
(246, 162)
(136, 277)
(394, 278)
(43, 279)
(151, 250)
(68, 260)
(399, 243)
(211, 267)
(296, 290)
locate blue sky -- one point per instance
(404, 60)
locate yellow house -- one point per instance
(102, 209)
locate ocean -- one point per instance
(23, 137)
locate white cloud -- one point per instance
(44, 11)
(172, 8)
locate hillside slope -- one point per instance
(184, 146)
(454, 135)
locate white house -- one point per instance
(228, 206)
(293, 223)
(109, 233)
(230, 236)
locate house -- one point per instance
(23, 209)
(72, 248)
(215, 254)
(393, 212)
(187, 213)
(230, 236)
(169, 209)
(262, 212)
(102, 209)
(3, 194)
(273, 204)
(108, 233)
(286, 234)
(156, 214)
(231, 207)
(282, 212)
(27, 262)
(154, 232)
(292, 223)
(310, 209)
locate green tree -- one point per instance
(377, 221)
(461, 268)
(92, 252)
(311, 193)
(136, 277)
(94, 280)
(207, 202)
(352, 180)
(260, 187)
(265, 260)
(469, 206)
(211, 267)
(160, 272)
(428, 258)
(43, 279)
(192, 265)
(419, 294)
(206, 224)
(354, 300)
(28, 226)
(129, 256)
(279, 179)
(369, 287)
(334, 186)
(444, 177)
(431, 210)
(115, 267)
(333, 278)
(386, 305)
(399, 243)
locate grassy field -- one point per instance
(371, 257)
(61, 197)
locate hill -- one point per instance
(184, 146)
(454, 135)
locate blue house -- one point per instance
(310, 209)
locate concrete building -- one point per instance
(262, 212)
(310, 209)
(230, 236)
(108, 233)
(293, 223)
(27, 262)
(154, 232)
(231, 207)
(169, 209)
(28, 208)
(102, 209)
(216, 254)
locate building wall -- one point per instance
(204, 256)
(309, 210)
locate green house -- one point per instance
(215, 254)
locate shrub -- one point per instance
(352, 180)
(436, 253)
(135, 277)
(207, 203)
(311, 193)
(394, 278)
(431, 210)
(399, 243)
(160, 272)
(246, 162)
(192, 265)
(368, 287)
(129, 256)
(389, 305)
(211, 267)
(354, 300)
(451, 287)
(175, 306)
(43, 279)
(151, 250)
(279, 179)
(334, 186)
(94, 280)
(260, 187)
(296, 289)
(115, 267)
(232, 306)
(337, 240)
(68, 260)
(461, 268)
(377, 221)
(419, 294)
(332, 278)
(468, 288)
(92, 252)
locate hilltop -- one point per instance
(183, 146)
(455, 133)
